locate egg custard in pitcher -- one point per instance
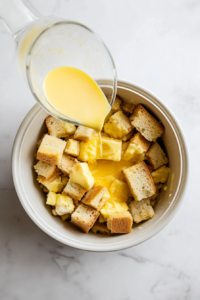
(75, 94)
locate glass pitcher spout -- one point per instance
(17, 15)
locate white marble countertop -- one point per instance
(155, 44)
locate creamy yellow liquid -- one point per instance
(103, 168)
(77, 95)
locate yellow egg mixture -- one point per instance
(75, 94)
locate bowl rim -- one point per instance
(115, 246)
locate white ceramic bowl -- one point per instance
(33, 200)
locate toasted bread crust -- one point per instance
(138, 139)
(84, 134)
(120, 222)
(51, 150)
(67, 163)
(156, 128)
(74, 190)
(140, 168)
(94, 196)
(155, 156)
(84, 217)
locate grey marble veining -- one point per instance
(156, 44)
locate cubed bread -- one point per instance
(74, 190)
(84, 134)
(46, 170)
(120, 222)
(67, 163)
(141, 210)
(139, 140)
(118, 125)
(146, 124)
(59, 128)
(155, 156)
(89, 151)
(100, 228)
(56, 185)
(94, 195)
(161, 174)
(64, 205)
(127, 108)
(140, 181)
(40, 141)
(51, 150)
(72, 148)
(111, 149)
(84, 217)
(116, 105)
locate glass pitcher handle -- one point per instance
(17, 15)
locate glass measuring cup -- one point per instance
(47, 43)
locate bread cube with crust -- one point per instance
(120, 222)
(56, 185)
(40, 141)
(51, 150)
(118, 125)
(100, 228)
(111, 149)
(46, 170)
(146, 124)
(59, 128)
(140, 181)
(139, 140)
(84, 133)
(136, 149)
(141, 210)
(94, 196)
(127, 108)
(64, 205)
(74, 190)
(72, 148)
(155, 156)
(67, 163)
(84, 217)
